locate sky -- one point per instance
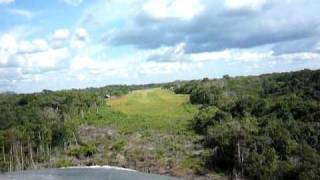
(63, 44)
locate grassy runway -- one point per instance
(151, 109)
(151, 131)
(153, 103)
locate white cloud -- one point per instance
(63, 37)
(4, 58)
(245, 4)
(177, 54)
(231, 55)
(22, 13)
(82, 34)
(80, 38)
(173, 8)
(155, 68)
(60, 38)
(243, 56)
(303, 56)
(8, 43)
(37, 45)
(167, 54)
(81, 64)
(127, 67)
(73, 2)
(36, 78)
(31, 56)
(40, 45)
(61, 34)
(8, 46)
(25, 47)
(42, 61)
(80, 77)
(122, 2)
(6, 1)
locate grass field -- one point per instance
(152, 102)
(151, 131)
(156, 107)
(151, 109)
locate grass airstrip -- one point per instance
(150, 109)
(152, 131)
(155, 108)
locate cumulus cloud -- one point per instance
(86, 64)
(73, 2)
(80, 38)
(177, 54)
(30, 56)
(173, 8)
(232, 56)
(213, 31)
(242, 56)
(167, 54)
(60, 38)
(6, 1)
(76, 39)
(81, 34)
(162, 40)
(61, 34)
(245, 4)
(154, 68)
(43, 61)
(34, 46)
(8, 43)
(37, 56)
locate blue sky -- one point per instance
(63, 44)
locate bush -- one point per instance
(63, 162)
(119, 145)
(83, 151)
(202, 95)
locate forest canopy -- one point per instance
(260, 127)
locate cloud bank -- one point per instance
(142, 41)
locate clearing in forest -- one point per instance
(153, 108)
(148, 128)
(151, 102)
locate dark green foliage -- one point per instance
(208, 117)
(83, 151)
(201, 95)
(33, 126)
(118, 146)
(267, 129)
